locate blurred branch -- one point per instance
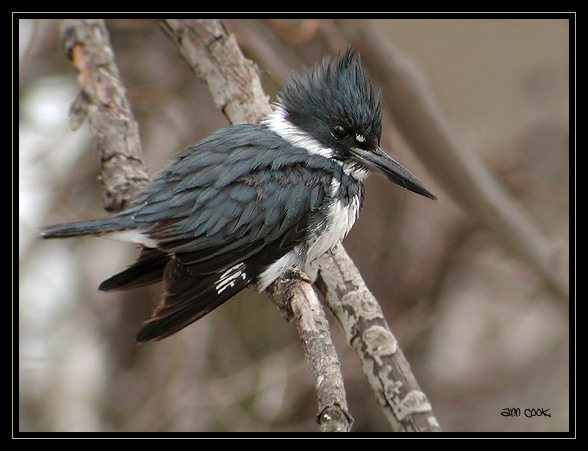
(212, 52)
(103, 100)
(457, 166)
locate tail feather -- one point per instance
(161, 327)
(92, 227)
(188, 302)
(149, 268)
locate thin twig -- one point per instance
(405, 405)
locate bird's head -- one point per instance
(332, 110)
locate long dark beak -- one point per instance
(378, 160)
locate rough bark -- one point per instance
(103, 101)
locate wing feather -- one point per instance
(219, 213)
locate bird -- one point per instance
(253, 201)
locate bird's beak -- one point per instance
(378, 160)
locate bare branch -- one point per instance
(294, 295)
(103, 100)
(387, 370)
(212, 52)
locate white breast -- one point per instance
(340, 219)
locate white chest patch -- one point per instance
(340, 221)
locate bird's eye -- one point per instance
(339, 132)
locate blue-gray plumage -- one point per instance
(252, 201)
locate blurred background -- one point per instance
(480, 329)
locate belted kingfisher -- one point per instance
(252, 201)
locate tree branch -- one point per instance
(103, 100)
(294, 295)
(212, 52)
(387, 370)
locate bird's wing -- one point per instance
(213, 212)
(220, 219)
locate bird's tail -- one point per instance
(92, 227)
(188, 298)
